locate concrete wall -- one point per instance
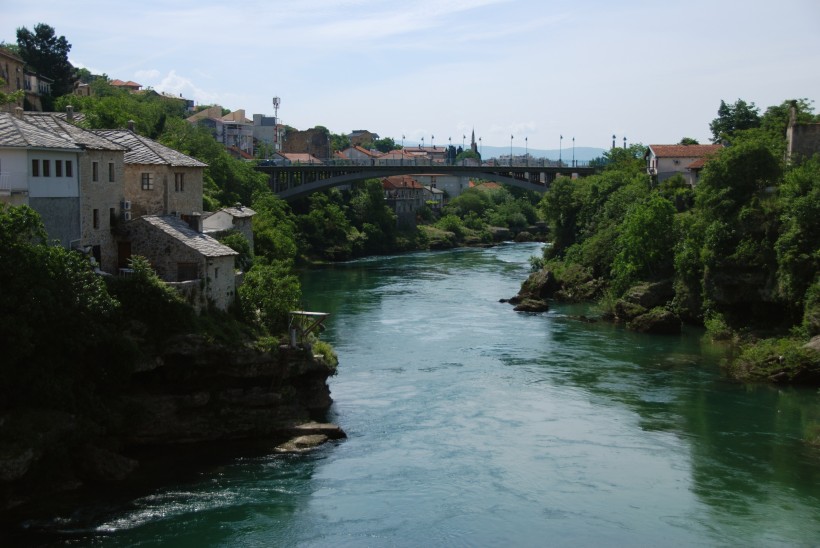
(61, 217)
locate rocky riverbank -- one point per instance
(195, 393)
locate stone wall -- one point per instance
(61, 217)
(804, 141)
(104, 196)
(310, 141)
(163, 198)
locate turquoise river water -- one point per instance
(472, 425)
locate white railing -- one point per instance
(13, 181)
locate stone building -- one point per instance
(158, 180)
(101, 178)
(39, 168)
(230, 219)
(664, 161)
(405, 196)
(195, 263)
(11, 70)
(803, 140)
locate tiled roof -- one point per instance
(56, 124)
(179, 230)
(684, 151)
(239, 212)
(144, 151)
(15, 132)
(401, 181)
(301, 157)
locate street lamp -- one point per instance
(401, 161)
(480, 147)
(449, 151)
(624, 142)
(560, 148)
(511, 139)
(463, 137)
(527, 150)
(573, 152)
(433, 141)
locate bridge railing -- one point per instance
(469, 162)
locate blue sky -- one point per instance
(651, 71)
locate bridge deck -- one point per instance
(294, 181)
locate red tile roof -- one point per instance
(684, 151)
(400, 181)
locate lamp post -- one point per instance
(480, 148)
(527, 150)
(463, 137)
(573, 152)
(511, 139)
(402, 150)
(433, 141)
(560, 148)
(449, 148)
(624, 142)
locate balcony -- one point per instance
(13, 182)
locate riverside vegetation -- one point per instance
(738, 253)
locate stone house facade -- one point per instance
(803, 140)
(12, 71)
(181, 254)
(405, 195)
(158, 180)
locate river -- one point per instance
(472, 425)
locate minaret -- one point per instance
(473, 145)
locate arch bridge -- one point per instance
(294, 181)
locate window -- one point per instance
(46, 168)
(147, 181)
(69, 169)
(35, 168)
(187, 271)
(58, 168)
(95, 171)
(179, 182)
(96, 215)
(216, 273)
(110, 172)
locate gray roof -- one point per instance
(15, 132)
(144, 151)
(50, 121)
(179, 229)
(239, 212)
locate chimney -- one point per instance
(69, 113)
(130, 125)
(195, 221)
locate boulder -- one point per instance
(301, 444)
(539, 285)
(532, 305)
(658, 320)
(649, 295)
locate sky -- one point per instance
(531, 73)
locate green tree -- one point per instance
(645, 243)
(268, 293)
(733, 118)
(689, 141)
(274, 229)
(47, 54)
(10, 98)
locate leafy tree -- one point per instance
(776, 118)
(52, 295)
(689, 141)
(385, 144)
(797, 248)
(645, 243)
(734, 118)
(241, 245)
(268, 293)
(47, 54)
(274, 229)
